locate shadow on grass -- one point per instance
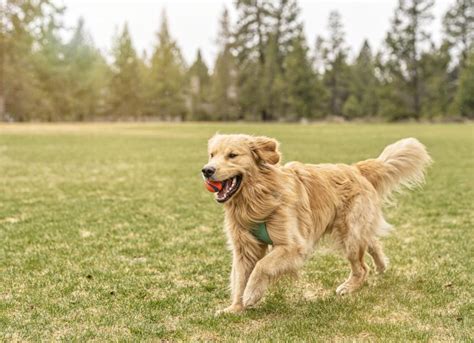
(365, 314)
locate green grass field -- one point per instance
(107, 233)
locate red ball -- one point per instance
(213, 186)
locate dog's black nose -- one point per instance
(208, 171)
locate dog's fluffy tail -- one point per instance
(401, 164)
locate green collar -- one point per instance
(260, 232)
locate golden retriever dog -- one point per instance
(299, 203)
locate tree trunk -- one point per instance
(2, 107)
(334, 96)
(2, 88)
(416, 94)
(416, 81)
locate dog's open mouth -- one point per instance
(229, 187)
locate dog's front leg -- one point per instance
(282, 259)
(243, 263)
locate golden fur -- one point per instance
(302, 202)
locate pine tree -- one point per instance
(87, 75)
(336, 68)
(125, 84)
(199, 89)
(363, 86)
(440, 83)
(51, 72)
(286, 28)
(253, 26)
(250, 92)
(167, 81)
(458, 27)
(250, 40)
(300, 81)
(264, 36)
(406, 41)
(272, 84)
(464, 102)
(322, 106)
(319, 57)
(390, 95)
(458, 24)
(223, 81)
(286, 35)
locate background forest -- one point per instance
(265, 70)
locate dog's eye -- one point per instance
(212, 155)
(232, 155)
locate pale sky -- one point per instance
(194, 23)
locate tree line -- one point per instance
(264, 70)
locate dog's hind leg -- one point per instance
(358, 271)
(380, 260)
(281, 260)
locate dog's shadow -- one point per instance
(288, 305)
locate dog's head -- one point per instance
(234, 159)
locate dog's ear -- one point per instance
(266, 150)
(213, 139)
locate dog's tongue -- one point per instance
(225, 187)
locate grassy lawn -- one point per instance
(107, 233)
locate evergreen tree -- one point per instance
(199, 89)
(23, 24)
(125, 84)
(319, 58)
(272, 84)
(87, 75)
(264, 36)
(406, 42)
(167, 82)
(458, 24)
(389, 96)
(250, 92)
(336, 68)
(300, 81)
(440, 84)
(250, 41)
(464, 102)
(458, 27)
(322, 106)
(286, 28)
(144, 75)
(51, 72)
(286, 35)
(223, 81)
(253, 25)
(224, 87)
(363, 86)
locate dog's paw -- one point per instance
(382, 268)
(231, 309)
(252, 296)
(349, 286)
(344, 289)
